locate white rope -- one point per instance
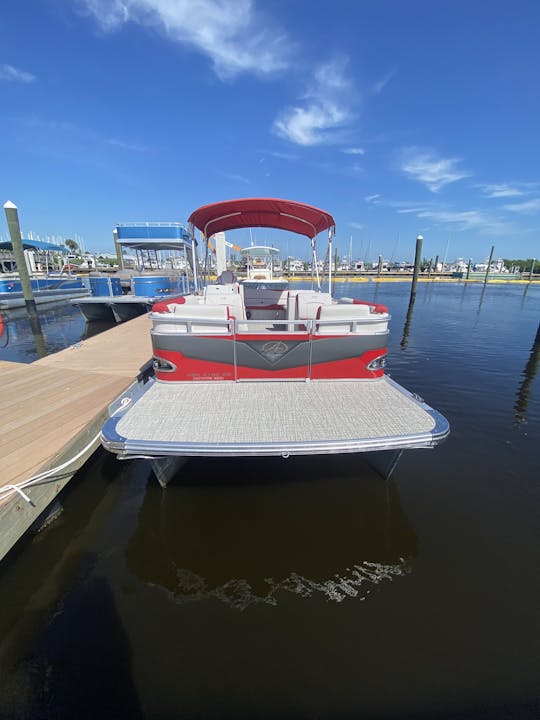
(36, 479)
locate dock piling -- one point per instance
(417, 261)
(489, 264)
(12, 217)
(119, 256)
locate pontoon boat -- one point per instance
(236, 372)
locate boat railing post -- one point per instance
(234, 332)
(532, 269)
(469, 269)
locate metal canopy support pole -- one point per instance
(314, 265)
(330, 260)
(194, 260)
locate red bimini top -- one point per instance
(261, 212)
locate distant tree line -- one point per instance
(72, 246)
(522, 265)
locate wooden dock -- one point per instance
(52, 408)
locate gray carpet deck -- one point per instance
(273, 412)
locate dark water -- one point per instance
(308, 587)
(60, 326)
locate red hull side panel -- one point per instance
(195, 369)
(349, 369)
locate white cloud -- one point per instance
(125, 146)
(379, 86)
(284, 156)
(311, 125)
(466, 220)
(236, 178)
(354, 151)
(502, 190)
(373, 198)
(498, 191)
(356, 225)
(458, 220)
(428, 168)
(231, 33)
(325, 109)
(13, 74)
(529, 207)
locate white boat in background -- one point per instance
(262, 289)
(238, 372)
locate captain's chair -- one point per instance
(226, 278)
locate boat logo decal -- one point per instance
(274, 350)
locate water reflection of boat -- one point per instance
(217, 534)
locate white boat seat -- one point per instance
(340, 313)
(190, 301)
(308, 303)
(233, 301)
(196, 314)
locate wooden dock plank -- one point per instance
(51, 408)
(120, 351)
(21, 443)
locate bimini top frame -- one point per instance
(265, 212)
(261, 212)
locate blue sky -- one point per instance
(398, 117)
